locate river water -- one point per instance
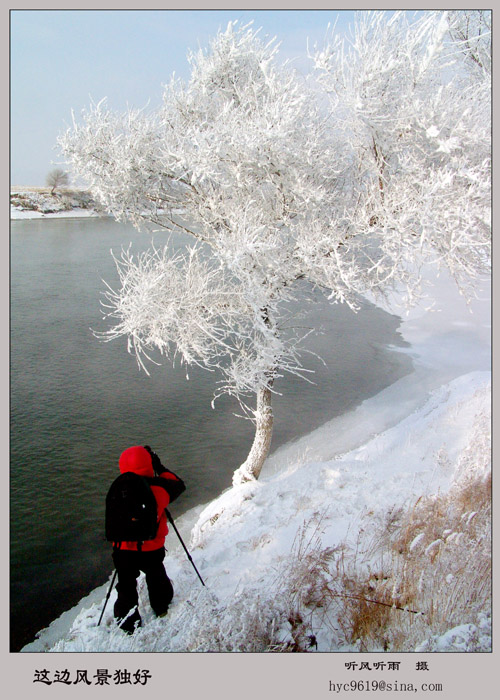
(77, 402)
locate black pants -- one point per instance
(128, 565)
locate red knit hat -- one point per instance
(136, 459)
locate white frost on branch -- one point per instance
(416, 123)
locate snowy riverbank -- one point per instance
(319, 504)
(16, 214)
(38, 203)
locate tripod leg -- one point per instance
(107, 597)
(170, 519)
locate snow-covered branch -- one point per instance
(417, 126)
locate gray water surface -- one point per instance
(76, 403)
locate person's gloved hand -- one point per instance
(158, 467)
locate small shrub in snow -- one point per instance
(304, 584)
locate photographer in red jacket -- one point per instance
(129, 558)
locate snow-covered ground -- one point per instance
(342, 479)
(16, 213)
(38, 203)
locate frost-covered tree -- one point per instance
(57, 178)
(278, 194)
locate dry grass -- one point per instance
(424, 571)
(433, 573)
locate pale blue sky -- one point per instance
(63, 59)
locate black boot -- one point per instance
(130, 623)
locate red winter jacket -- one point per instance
(165, 488)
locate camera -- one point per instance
(158, 467)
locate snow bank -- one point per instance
(461, 638)
(36, 203)
(16, 214)
(406, 442)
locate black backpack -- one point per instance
(131, 510)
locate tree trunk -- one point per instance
(252, 466)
